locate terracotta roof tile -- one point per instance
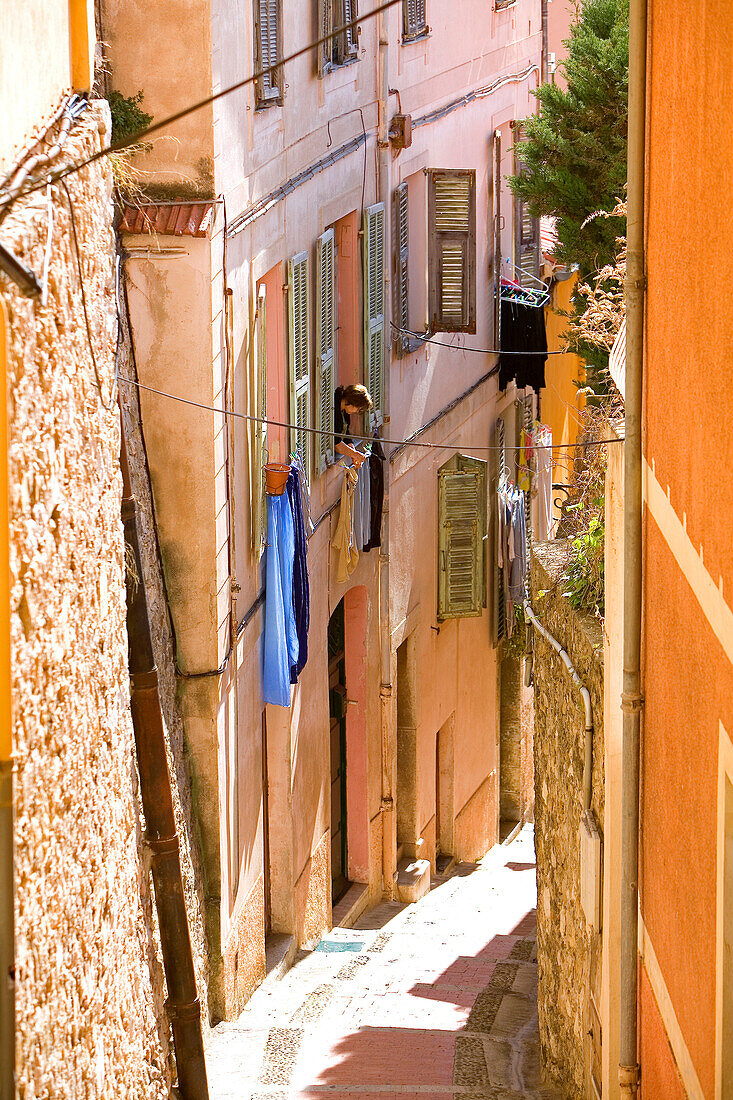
(174, 219)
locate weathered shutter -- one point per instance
(400, 265)
(350, 35)
(479, 466)
(373, 252)
(526, 228)
(452, 275)
(461, 506)
(267, 18)
(502, 474)
(325, 27)
(325, 357)
(497, 239)
(260, 427)
(413, 18)
(299, 358)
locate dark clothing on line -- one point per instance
(376, 478)
(301, 590)
(522, 329)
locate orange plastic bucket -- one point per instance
(276, 477)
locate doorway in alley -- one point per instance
(407, 829)
(444, 813)
(337, 715)
(266, 829)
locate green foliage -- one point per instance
(574, 155)
(518, 645)
(128, 117)
(583, 574)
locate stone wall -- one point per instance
(568, 954)
(88, 993)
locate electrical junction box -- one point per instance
(591, 869)
(400, 131)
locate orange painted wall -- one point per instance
(688, 680)
(560, 403)
(660, 1077)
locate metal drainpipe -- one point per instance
(386, 693)
(631, 698)
(585, 694)
(184, 1009)
(7, 894)
(544, 69)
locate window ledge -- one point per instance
(420, 36)
(337, 67)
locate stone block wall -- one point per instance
(90, 1021)
(568, 954)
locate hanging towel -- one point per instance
(525, 450)
(518, 549)
(362, 507)
(376, 495)
(522, 330)
(305, 499)
(343, 539)
(301, 590)
(281, 637)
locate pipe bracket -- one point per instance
(632, 702)
(145, 681)
(162, 845)
(187, 1010)
(629, 1076)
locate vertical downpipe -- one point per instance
(386, 692)
(631, 699)
(7, 891)
(161, 837)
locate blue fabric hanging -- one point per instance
(301, 590)
(281, 637)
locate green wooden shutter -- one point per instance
(401, 275)
(260, 427)
(526, 228)
(452, 267)
(267, 34)
(325, 334)
(299, 328)
(349, 46)
(502, 474)
(373, 253)
(480, 467)
(413, 19)
(461, 526)
(325, 27)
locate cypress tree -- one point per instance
(574, 152)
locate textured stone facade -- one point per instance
(568, 954)
(89, 990)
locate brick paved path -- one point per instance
(431, 1001)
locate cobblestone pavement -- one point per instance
(435, 1000)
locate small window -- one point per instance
(336, 24)
(268, 52)
(462, 525)
(413, 20)
(452, 266)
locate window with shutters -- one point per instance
(374, 317)
(414, 23)
(452, 263)
(336, 25)
(268, 53)
(462, 526)
(526, 228)
(299, 332)
(325, 346)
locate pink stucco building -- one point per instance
(342, 202)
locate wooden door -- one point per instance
(266, 828)
(337, 713)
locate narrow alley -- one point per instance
(434, 999)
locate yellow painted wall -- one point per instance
(560, 402)
(46, 48)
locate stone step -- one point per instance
(413, 879)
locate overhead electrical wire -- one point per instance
(361, 438)
(458, 347)
(142, 135)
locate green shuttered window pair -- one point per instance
(374, 319)
(299, 333)
(462, 527)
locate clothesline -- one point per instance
(360, 438)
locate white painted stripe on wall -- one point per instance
(669, 1017)
(708, 595)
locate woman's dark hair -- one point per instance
(358, 396)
